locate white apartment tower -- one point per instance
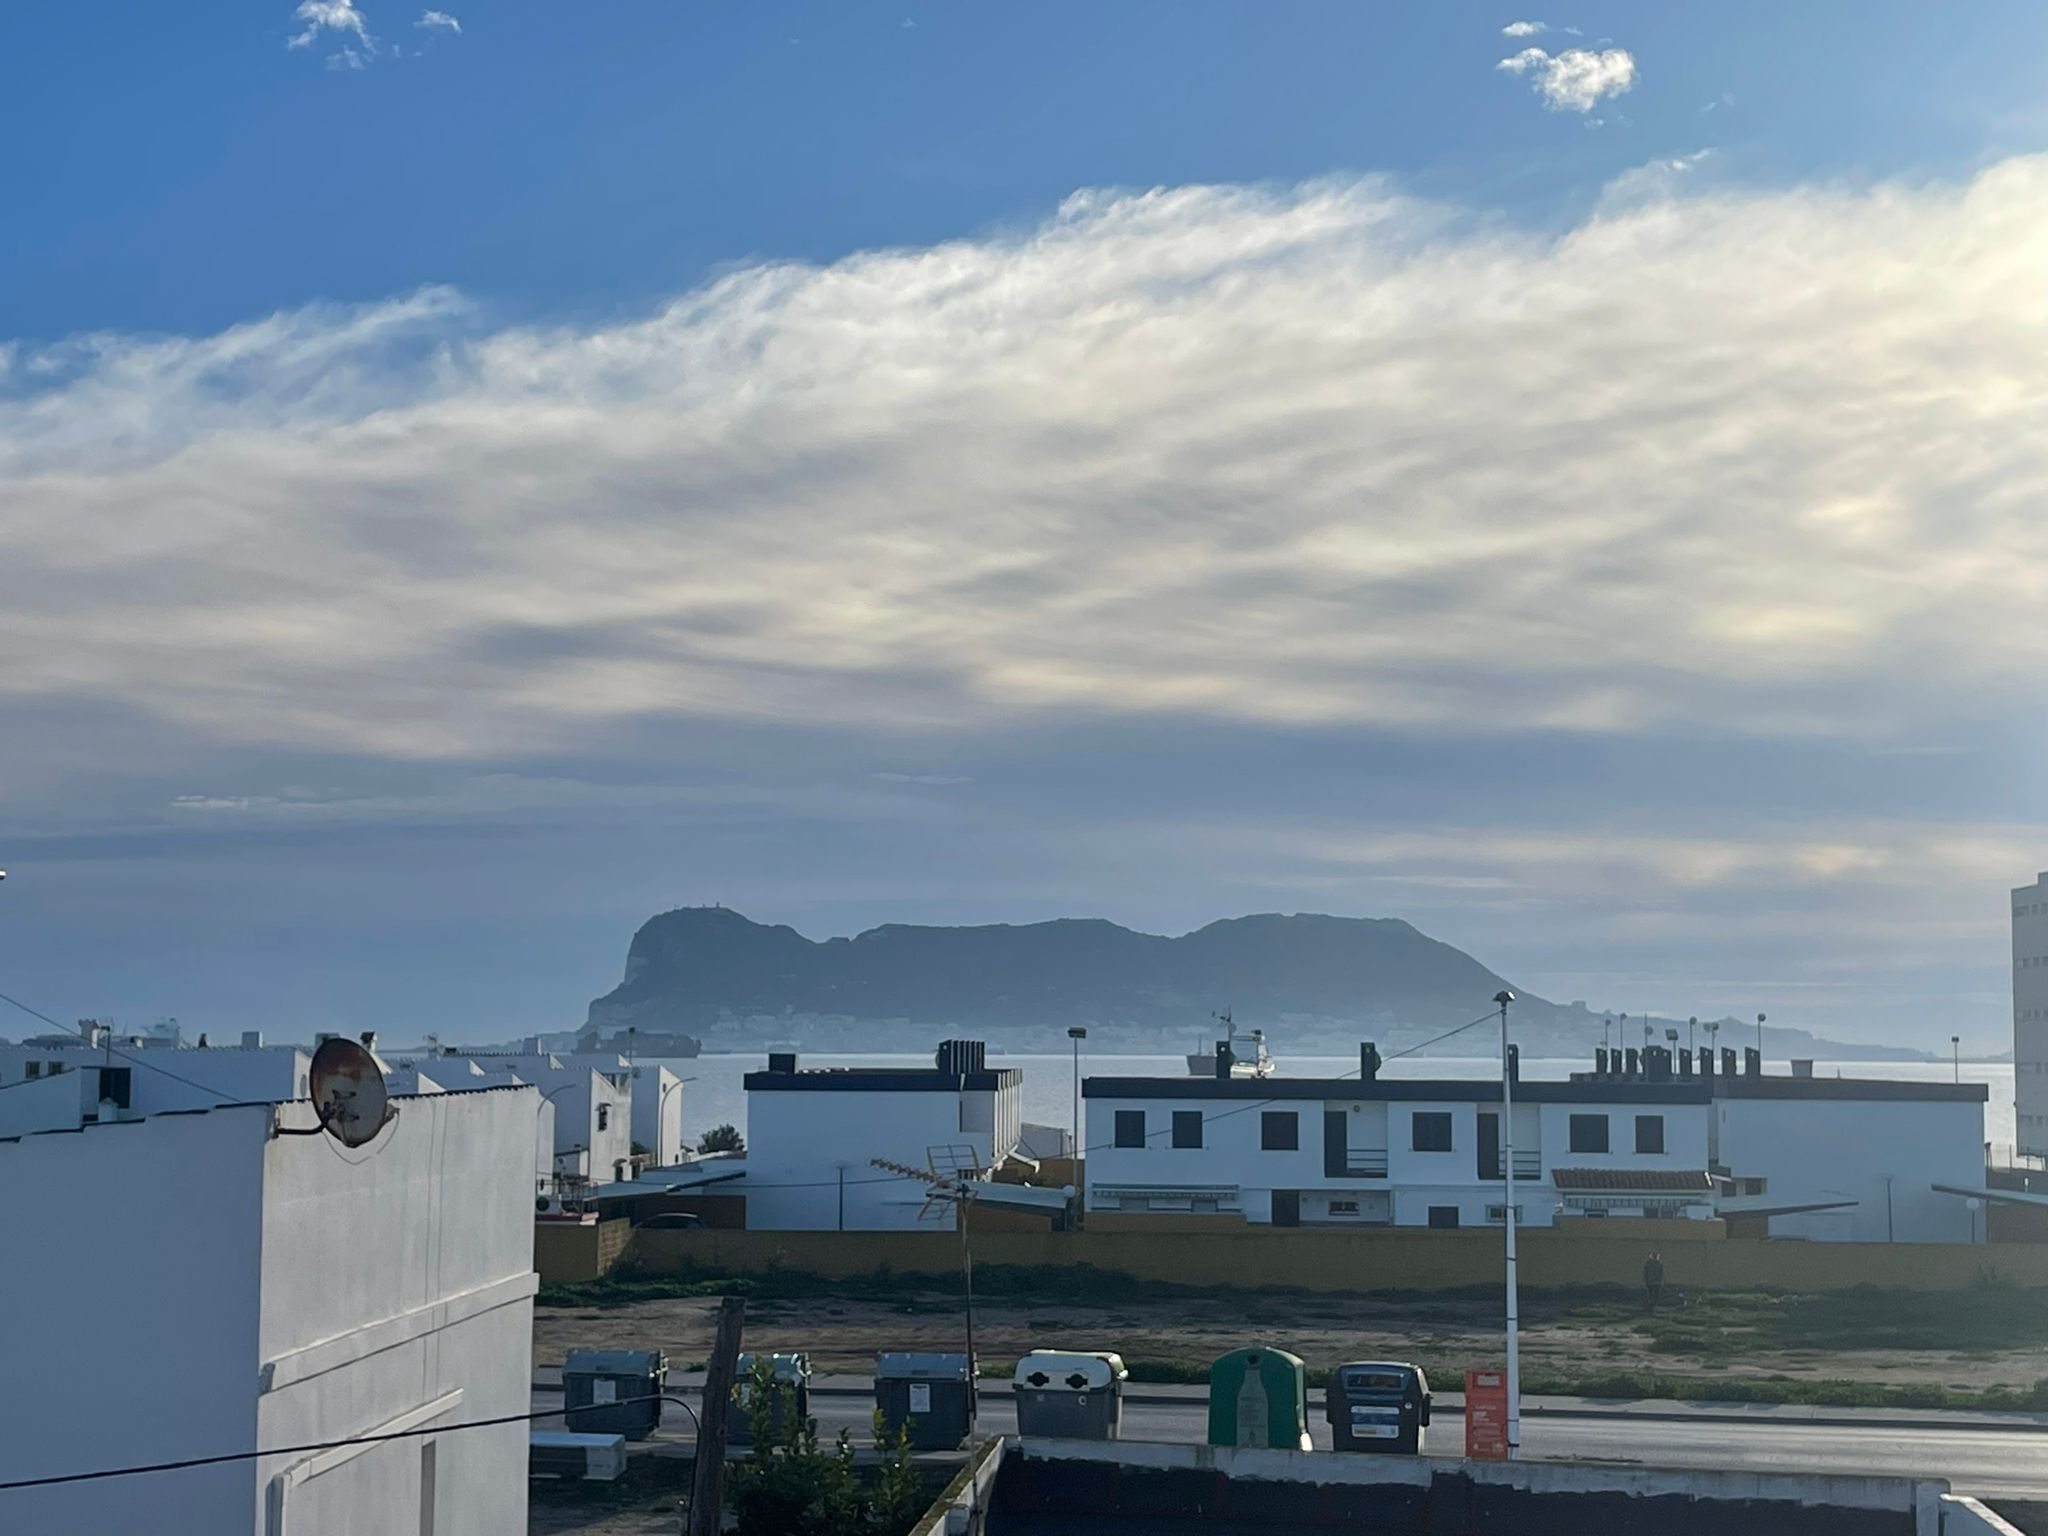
(2030, 1017)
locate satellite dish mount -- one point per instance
(347, 1088)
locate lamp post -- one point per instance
(1759, 1042)
(1691, 1024)
(1077, 1034)
(1507, 1170)
(1713, 1040)
(1606, 1025)
(1955, 1045)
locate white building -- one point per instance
(205, 1283)
(60, 1082)
(1374, 1151)
(2030, 1017)
(811, 1135)
(1850, 1159)
(457, 1074)
(593, 1107)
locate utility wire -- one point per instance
(112, 1050)
(335, 1445)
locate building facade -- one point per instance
(812, 1136)
(1862, 1156)
(1395, 1152)
(206, 1283)
(59, 1083)
(2030, 1018)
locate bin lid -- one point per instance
(789, 1367)
(908, 1365)
(1380, 1376)
(1058, 1370)
(614, 1362)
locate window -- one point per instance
(1280, 1131)
(1130, 1128)
(1649, 1133)
(1443, 1215)
(1498, 1214)
(32, 1069)
(1430, 1131)
(1343, 1207)
(1187, 1127)
(1589, 1133)
(604, 1117)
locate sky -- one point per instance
(471, 479)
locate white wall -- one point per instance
(1821, 1149)
(2030, 1016)
(398, 1290)
(1232, 1157)
(658, 1114)
(807, 1138)
(160, 1080)
(131, 1287)
(593, 1114)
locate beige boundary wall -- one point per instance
(1694, 1254)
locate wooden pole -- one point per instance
(707, 1488)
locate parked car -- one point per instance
(674, 1221)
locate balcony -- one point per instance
(1528, 1166)
(1365, 1163)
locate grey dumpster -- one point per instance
(1378, 1405)
(599, 1387)
(789, 1382)
(1067, 1396)
(931, 1394)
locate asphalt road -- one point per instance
(1983, 1461)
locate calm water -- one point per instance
(717, 1096)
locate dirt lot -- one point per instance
(1957, 1343)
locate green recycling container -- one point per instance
(1259, 1396)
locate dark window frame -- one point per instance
(1187, 1129)
(1121, 1134)
(1580, 1138)
(1440, 1211)
(1650, 1128)
(1435, 1119)
(1280, 1130)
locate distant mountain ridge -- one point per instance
(689, 968)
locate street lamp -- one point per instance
(1691, 1024)
(1955, 1045)
(1759, 1042)
(1713, 1039)
(1077, 1034)
(1606, 1025)
(1507, 1170)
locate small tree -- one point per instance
(722, 1138)
(790, 1486)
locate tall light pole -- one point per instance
(1713, 1040)
(1955, 1045)
(1606, 1025)
(1759, 1042)
(1077, 1034)
(1691, 1024)
(1507, 1170)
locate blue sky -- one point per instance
(466, 486)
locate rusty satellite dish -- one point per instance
(347, 1088)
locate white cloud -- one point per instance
(1663, 177)
(1761, 462)
(1524, 29)
(1576, 80)
(339, 16)
(349, 59)
(438, 21)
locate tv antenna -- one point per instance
(947, 1176)
(347, 1088)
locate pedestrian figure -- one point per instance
(1653, 1278)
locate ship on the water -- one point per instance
(1247, 1053)
(631, 1042)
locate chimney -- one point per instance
(1685, 1065)
(369, 1039)
(1706, 1061)
(1802, 1069)
(1225, 1060)
(1599, 1061)
(1727, 1061)
(782, 1061)
(1514, 1063)
(1631, 1063)
(1752, 1061)
(1368, 1063)
(252, 1039)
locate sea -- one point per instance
(715, 1095)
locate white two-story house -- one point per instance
(1404, 1152)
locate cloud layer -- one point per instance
(1764, 463)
